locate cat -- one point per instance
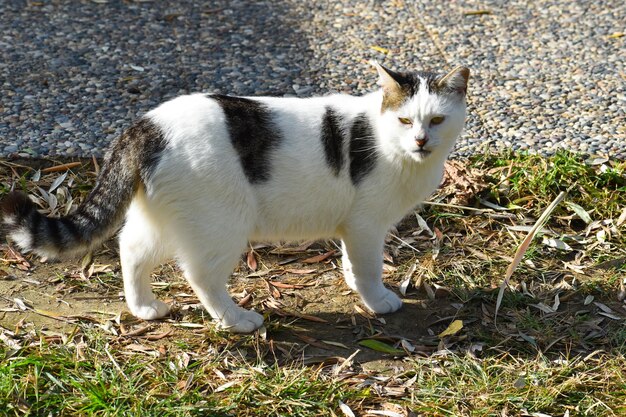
(201, 175)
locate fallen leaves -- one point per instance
(461, 183)
(452, 329)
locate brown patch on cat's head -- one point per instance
(398, 87)
(395, 88)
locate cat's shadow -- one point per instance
(338, 326)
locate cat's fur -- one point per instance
(201, 175)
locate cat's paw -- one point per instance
(155, 310)
(386, 302)
(245, 321)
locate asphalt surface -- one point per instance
(545, 74)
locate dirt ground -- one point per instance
(310, 312)
(311, 315)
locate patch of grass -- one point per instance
(37, 380)
(530, 180)
(509, 385)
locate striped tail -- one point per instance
(128, 163)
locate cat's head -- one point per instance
(421, 113)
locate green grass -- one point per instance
(38, 380)
(528, 179)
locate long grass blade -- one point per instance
(521, 250)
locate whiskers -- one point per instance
(365, 147)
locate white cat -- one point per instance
(199, 176)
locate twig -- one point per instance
(106, 349)
(432, 203)
(62, 167)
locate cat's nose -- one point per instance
(421, 141)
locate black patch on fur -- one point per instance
(332, 139)
(362, 148)
(17, 205)
(252, 133)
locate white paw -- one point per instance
(155, 310)
(244, 321)
(386, 302)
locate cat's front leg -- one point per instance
(363, 265)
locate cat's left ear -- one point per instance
(455, 80)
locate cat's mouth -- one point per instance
(421, 152)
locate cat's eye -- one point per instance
(405, 120)
(437, 120)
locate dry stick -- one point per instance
(432, 203)
(114, 362)
(519, 254)
(63, 167)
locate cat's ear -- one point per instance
(394, 94)
(387, 79)
(455, 80)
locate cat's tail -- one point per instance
(128, 165)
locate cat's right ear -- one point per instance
(391, 82)
(387, 79)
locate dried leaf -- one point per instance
(227, 385)
(251, 260)
(622, 218)
(603, 307)
(346, 410)
(380, 49)
(543, 307)
(476, 12)
(423, 225)
(611, 316)
(429, 290)
(339, 345)
(158, 336)
(286, 286)
(319, 258)
(363, 312)
(58, 181)
(529, 339)
(557, 302)
(301, 271)
(404, 285)
(312, 341)
(452, 329)
(557, 244)
(20, 303)
(386, 413)
(580, 212)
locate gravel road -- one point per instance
(545, 74)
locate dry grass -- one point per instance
(555, 347)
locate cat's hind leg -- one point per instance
(141, 250)
(208, 255)
(363, 265)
